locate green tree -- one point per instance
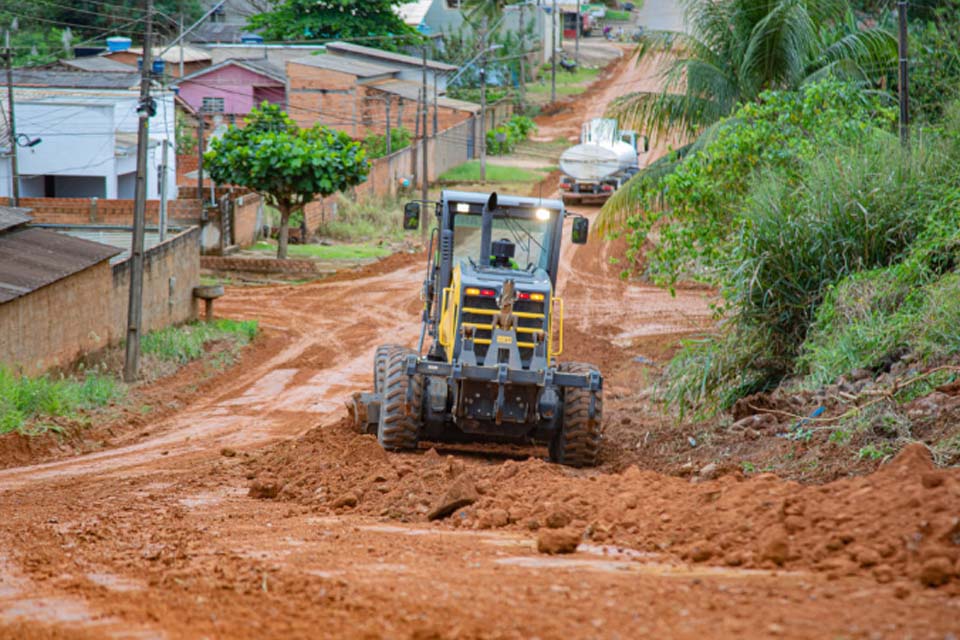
(290, 166)
(737, 49)
(336, 20)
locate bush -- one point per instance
(504, 139)
(369, 218)
(825, 265)
(376, 143)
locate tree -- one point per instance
(336, 20)
(737, 49)
(288, 165)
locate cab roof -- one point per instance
(473, 197)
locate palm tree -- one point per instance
(735, 49)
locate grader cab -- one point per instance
(486, 367)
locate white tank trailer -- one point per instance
(605, 158)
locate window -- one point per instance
(212, 105)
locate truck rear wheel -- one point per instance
(577, 443)
(399, 426)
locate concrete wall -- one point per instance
(170, 272)
(87, 311)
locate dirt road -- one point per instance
(160, 538)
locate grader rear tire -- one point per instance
(577, 443)
(399, 426)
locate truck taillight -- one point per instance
(565, 186)
(607, 188)
(524, 295)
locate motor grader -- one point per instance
(486, 367)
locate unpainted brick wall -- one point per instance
(87, 311)
(103, 211)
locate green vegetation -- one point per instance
(367, 219)
(290, 166)
(327, 252)
(569, 83)
(470, 172)
(832, 248)
(617, 15)
(187, 342)
(24, 399)
(341, 20)
(504, 138)
(376, 143)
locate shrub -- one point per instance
(376, 143)
(23, 398)
(503, 139)
(365, 219)
(185, 343)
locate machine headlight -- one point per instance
(463, 207)
(542, 214)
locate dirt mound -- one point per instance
(901, 521)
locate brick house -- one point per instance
(354, 96)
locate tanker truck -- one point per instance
(605, 158)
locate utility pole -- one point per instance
(483, 102)
(203, 210)
(903, 79)
(425, 181)
(181, 46)
(12, 127)
(131, 366)
(389, 132)
(162, 223)
(553, 53)
(523, 57)
(578, 23)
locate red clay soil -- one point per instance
(253, 511)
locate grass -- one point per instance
(24, 398)
(185, 343)
(325, 252)
(371, 218)
(470, 172)
(569, 83)
(617, 15)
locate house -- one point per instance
(356, 96)
(408, 68)
(77, 136)
(277, 54)
(179, 60)
(233, 87)
(437, 17)
(63, 296)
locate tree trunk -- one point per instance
(284, 232)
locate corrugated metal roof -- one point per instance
(96, 64)
(32, 258)
(76, 79)
(411, 91)
(190, 54)
(119, 238)
(346, 48)
(12, 217)
(346, 65)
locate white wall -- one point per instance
(78, 133)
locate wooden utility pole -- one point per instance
(203, 209)
(903, 79)
(146, 108)
(12, 127)
(483, 101)
(425, 180)
(553, 53)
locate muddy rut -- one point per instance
(254, 511)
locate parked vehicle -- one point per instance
(605, 158)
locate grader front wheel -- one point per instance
(577, 443)
(399, 426)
